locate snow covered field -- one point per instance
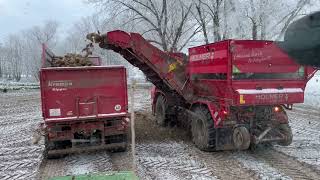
(11, 85)
(161, 153)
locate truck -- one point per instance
(231, 94)
(84, 108)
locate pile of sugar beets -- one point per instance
(71, 60)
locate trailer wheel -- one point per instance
(202, 129)
(241, 138)
(124, 147)
(160, 111)
(285, 129)
(48, 147)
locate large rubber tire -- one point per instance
(241, 138)
(122, 148)
(160, 111)
(286, 130)
(202, 129)
(48, 147)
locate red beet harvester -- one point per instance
(232, 94)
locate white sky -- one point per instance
(16, 15)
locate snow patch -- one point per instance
(312, 91)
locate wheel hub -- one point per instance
(241, 138)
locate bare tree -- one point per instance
(288, 18)
(213, 17)
(200, 16)
(165, 23)
(269, 17)
(34, 37)
(14, 55)
(44, 34)
(214, 8)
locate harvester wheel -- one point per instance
(241, 138)
(202, 129)
(160, 111)
(285, 129)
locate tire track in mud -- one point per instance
(184, 165)
(18, 175)
(172, 158)
(10, 154)
(286, 165)
(18, 116)
(306, 139)
(22, 118)
(225, 166)
(18, 139)
(76, 164)
(20, 150)
(20, 162)
(88, 162)
(187, 162)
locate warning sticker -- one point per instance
(54, 112)
(242, 101)
(117, 107)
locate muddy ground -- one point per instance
(161, 153)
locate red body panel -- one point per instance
(77, 93)
(227, 73)
(259, 69)
(261, 56)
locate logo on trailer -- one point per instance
(204, 56)
(117, 107)
(60, 83)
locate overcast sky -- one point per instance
(16, 15)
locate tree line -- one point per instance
(172, 25)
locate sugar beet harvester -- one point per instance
(84, 108)
(234, 92)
